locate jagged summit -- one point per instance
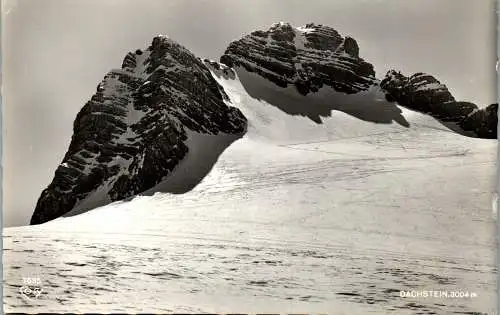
(140, 124)
(309, 57)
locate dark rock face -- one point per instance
(133, 131)
(424, 93)
(308, 57)
(483, 122)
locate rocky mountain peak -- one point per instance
(135, 129)
(309, 57)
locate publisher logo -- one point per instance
(31, 289)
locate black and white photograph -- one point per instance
(249, 156)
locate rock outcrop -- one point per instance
(483, 122)
(424, 93)
(136, 129)
(133, 131)
(308, 57)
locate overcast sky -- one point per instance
(55, 52)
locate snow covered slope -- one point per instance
(297, 216)
(283, 115)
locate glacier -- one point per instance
(296, 216)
